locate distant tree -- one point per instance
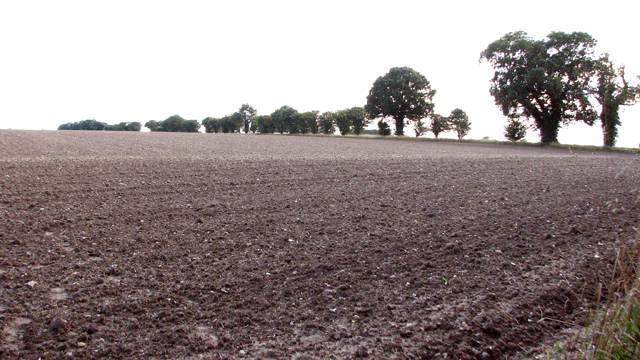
(211, 125)
(515, 130)
(153, 125)
(343, 121)
(190, 126)
(283, 119)
(327, 122)
(383, 128)
(134, 126)
(116, 127)
(254, 126)
(460, 123)
(310, 121)
(89, 124)
(124, 126)
(420, 128)
(231, 123)
(547, 80)
(359, 119)
(247, 114)
(264, 124)
(95, 125)
(402, 93)
(173, 123)
(439, 124)
(612, 91)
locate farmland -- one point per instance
(209, 246)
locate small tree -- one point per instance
(439, 124)
(460, 123)
(383, 128)
(515, 130)
(247, 114)
(326, 122)
(421, 128)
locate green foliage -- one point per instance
(265, 125)
(247, 115)
(421, 128)
(359, 119)
(153, 125)
(190, 126)
(211, 125)
(383, 128)
(231, 123)
(612, 91)
(283, 120)
(402, 93)
(134, 126)
(515, 130)
(310, 119)
(343, 121)
(173, 123)
(125, 126)
(84, 125)
(460, 123)
(95, 125)
(547, 80)
(439, 124)
(327, 122)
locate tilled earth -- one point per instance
(199, 246)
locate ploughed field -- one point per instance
(199, 246)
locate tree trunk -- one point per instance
(400, 126)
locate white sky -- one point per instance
(66, 61)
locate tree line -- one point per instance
(539, 84)
(96, 125)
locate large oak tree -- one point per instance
(544, 80)
(402, 94)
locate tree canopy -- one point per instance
(283, 120)
(96, 125)
(327, 122)
(173, 123)
(402, 94)
(544, 80)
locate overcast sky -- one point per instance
(113, 61)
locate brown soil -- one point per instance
(199, 246)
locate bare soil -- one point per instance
(199, 246)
